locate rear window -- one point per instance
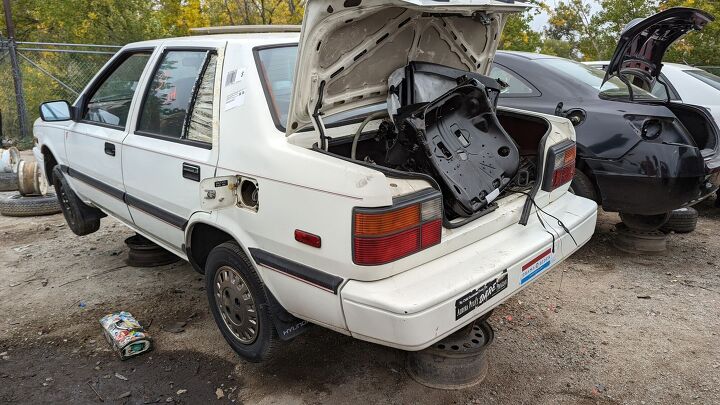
(277, 70)
(705, 77)
(613, 88)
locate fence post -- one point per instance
(17, 75)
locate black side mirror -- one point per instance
(54, 111)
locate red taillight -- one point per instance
(560, 167)
(384, 235)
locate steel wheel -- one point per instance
(236, 304)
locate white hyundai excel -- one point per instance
(357, 175)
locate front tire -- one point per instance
(238, 303)
(81, 218)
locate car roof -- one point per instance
(528, 55)
(255, 38)
(665, 64)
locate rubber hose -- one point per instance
(367, 120)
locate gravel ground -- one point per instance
(603, 327)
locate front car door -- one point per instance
(93, 140)
(173, 144)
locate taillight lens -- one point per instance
(383, 235)
(560, 167)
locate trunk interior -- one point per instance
(375, 148)
(698, 125)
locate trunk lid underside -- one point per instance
(349, 49)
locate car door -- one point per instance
(93, 140)
(173, 145)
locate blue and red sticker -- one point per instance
(534, 267)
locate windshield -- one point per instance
(705, 77)
(613, 88)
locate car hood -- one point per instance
(643, 43)
(349, 48)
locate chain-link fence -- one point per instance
(49, 71)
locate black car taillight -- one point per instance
(560, 166)
(383, 235)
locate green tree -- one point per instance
(572, 21)
(518, 34)
(697, 48)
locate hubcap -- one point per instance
(236, 304)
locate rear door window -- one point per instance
(109, 104)
(178, 104)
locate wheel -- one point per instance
(146, 253)
(639, 242)
(683, 220)
(582, 185)
(8, 181)
(80, 217)
(21, 206)
(238, 303)
(644, 222)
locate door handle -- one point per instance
(109, 149)
(191, 172)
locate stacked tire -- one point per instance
(26, 177)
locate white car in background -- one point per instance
(685, 84)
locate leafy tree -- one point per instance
(697, 48)
(518, 35)
(572, 21)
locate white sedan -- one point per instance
(686, 84)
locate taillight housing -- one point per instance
(383, 235)
(560, 165)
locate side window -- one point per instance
(110, 103)
(516, 87)
(277, 70)
(179, 101)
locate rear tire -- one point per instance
(582, 186)
(238, 303)
(644, 223)
(8, 181)
(81, 218)
(683, 220)
(21, 206)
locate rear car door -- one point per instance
(173, 144)
(93, 140)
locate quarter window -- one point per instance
(110, 104)
(277, 69)
(515, 87)
(178, 103)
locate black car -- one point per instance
(639, 155)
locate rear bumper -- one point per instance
(655, 178)
(416, 308)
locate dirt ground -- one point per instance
(603, 327)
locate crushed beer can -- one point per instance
(125, 334)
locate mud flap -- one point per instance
(287, 325)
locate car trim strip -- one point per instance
(105, 188)
(300, 272)
(159, 213)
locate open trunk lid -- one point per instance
(348, 49)
(644, 42)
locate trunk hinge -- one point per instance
(317, 117)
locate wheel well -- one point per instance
(50, 163)
(583, 167)
(203, 239)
